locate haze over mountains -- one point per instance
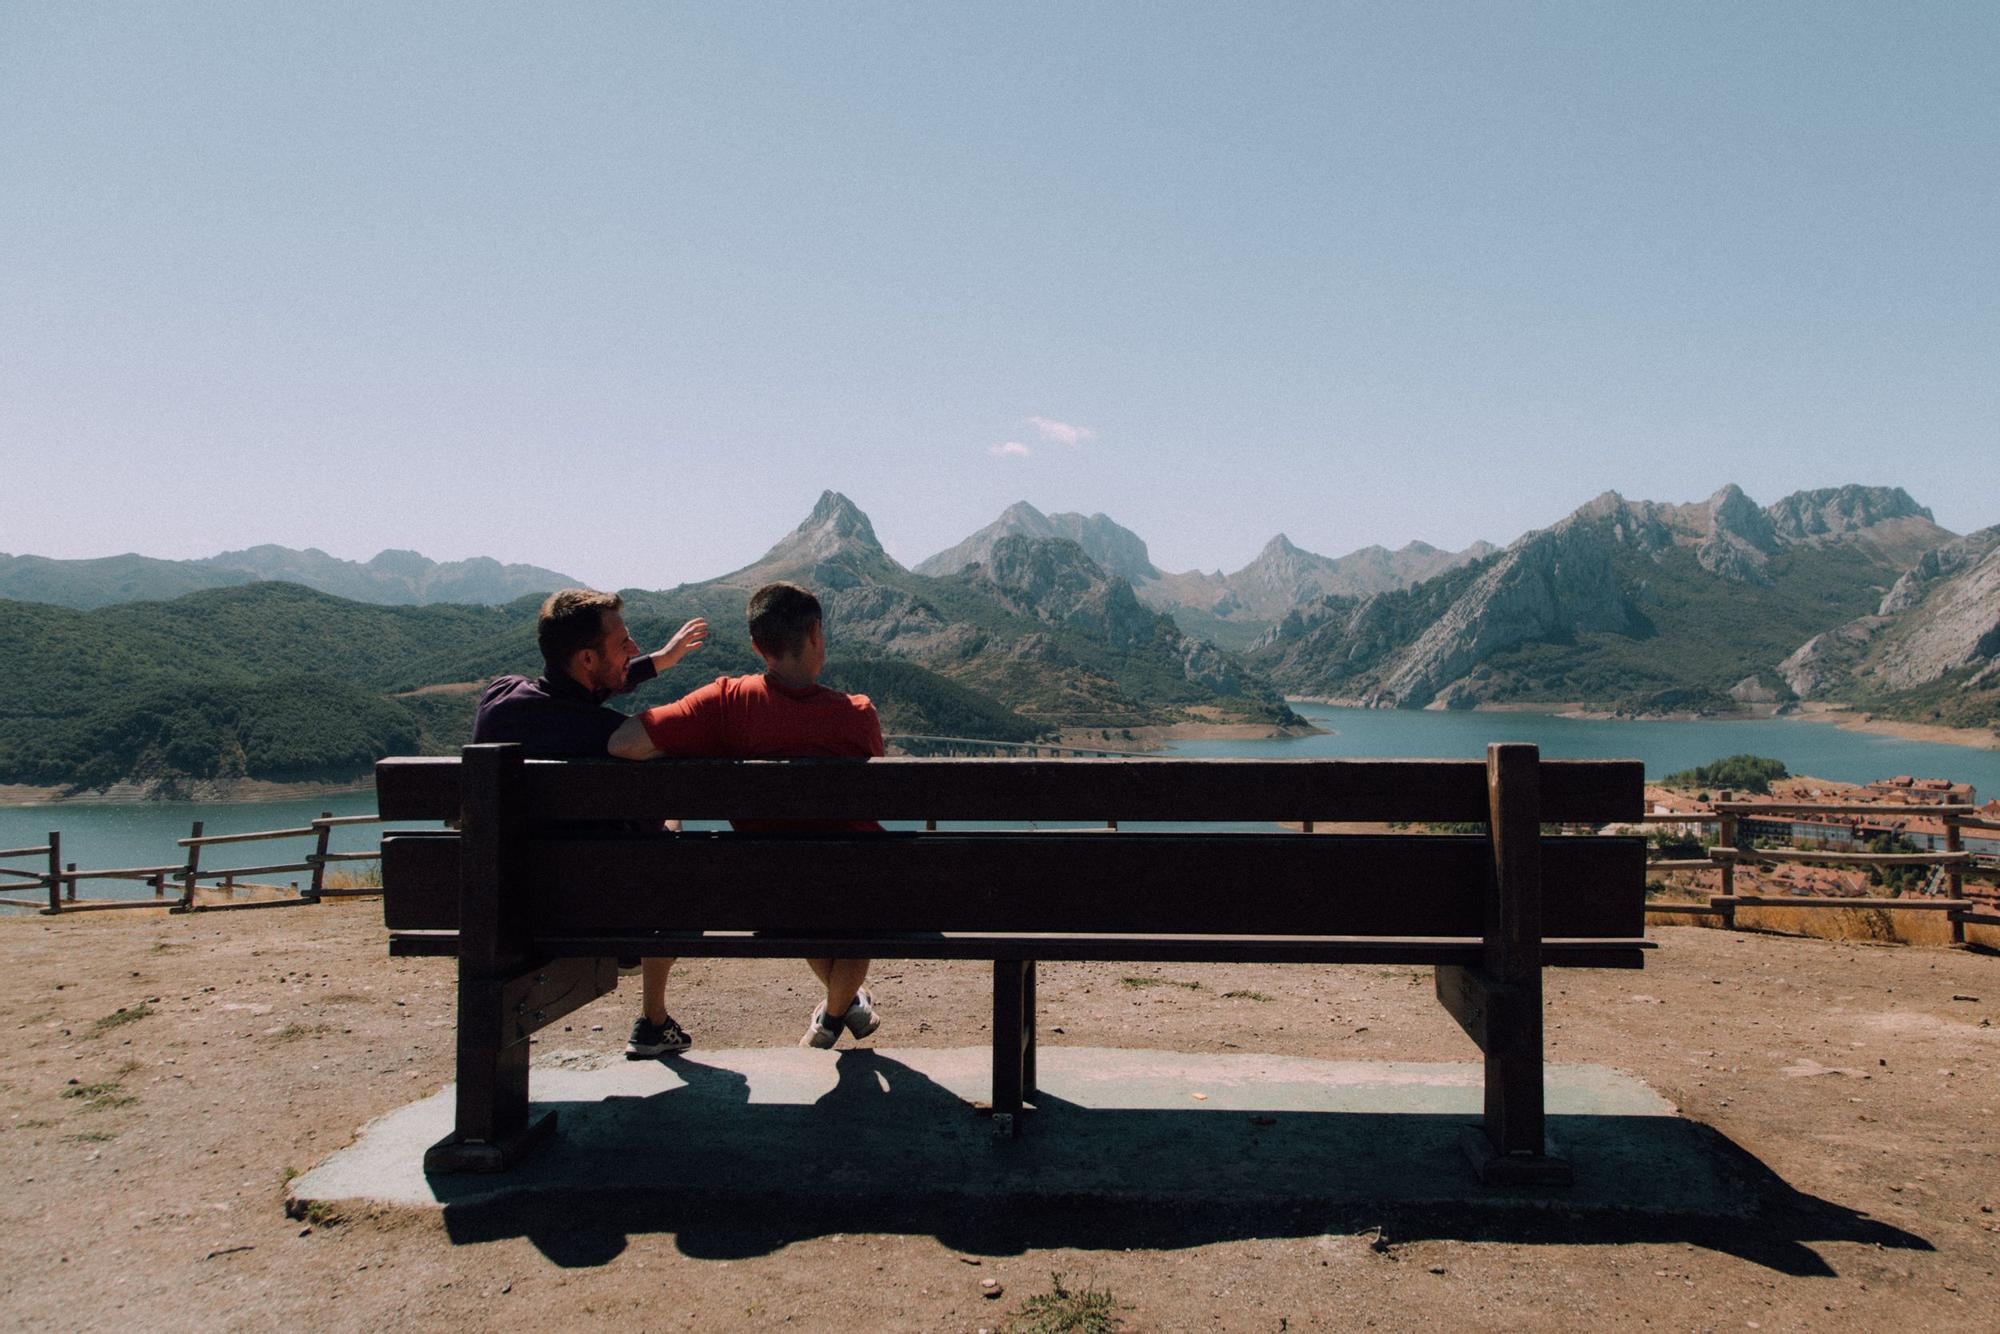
(1038, 623)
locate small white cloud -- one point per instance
(1061, 432)
(1011, 449)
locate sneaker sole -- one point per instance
(648, 1053)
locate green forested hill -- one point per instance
(276, 681)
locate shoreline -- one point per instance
(1837, 715)
(1157, 735)
(252, 790)
(207, 792)
(1856, 720)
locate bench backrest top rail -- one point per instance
(1222, 790)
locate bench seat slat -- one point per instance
(1573, 791)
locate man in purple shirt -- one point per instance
(587, 657)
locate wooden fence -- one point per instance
(1953, 862)
(59, 882)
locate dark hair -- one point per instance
(781, 616)
(571, 621)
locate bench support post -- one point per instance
(1511, 1146)
(492, 1126)
(1013, 1042)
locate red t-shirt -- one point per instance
(755, 718)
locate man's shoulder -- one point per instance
(855, 703)
(506, 705)
(508, 691)
(502, 686)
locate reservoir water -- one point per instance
(1819, 749)
(143, 834)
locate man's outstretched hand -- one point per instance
(685, 641)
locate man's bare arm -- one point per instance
(630, 741)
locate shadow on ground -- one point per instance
(887, 1150)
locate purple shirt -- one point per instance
(553, 717)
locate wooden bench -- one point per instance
(537, 903)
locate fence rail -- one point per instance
(60, 880)
(1951, 863)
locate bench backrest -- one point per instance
(593, 882)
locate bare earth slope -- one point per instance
(145, 1155)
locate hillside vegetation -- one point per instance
(276, 681)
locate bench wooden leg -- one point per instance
(1028, 1030)
(1510, 1146)
(1010, 1042)
(491, 1126)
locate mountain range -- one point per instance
(1039, 623)
(1230, 609)
(391, 578)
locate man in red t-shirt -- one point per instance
(783, 714)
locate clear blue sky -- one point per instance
(367, 275)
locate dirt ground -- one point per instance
(168, 1073)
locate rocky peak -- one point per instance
(835, 525)
(397, 561)
(1055, 581)
(1278, 546)
(1735, 515)
(834, 528)
(1117, 549)
(835, 547)
(1024, 516)
(1832, 511)
(1046, 577)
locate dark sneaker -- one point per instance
(650, 1040)
(818, 1034)
(861, 1019)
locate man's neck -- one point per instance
(791, 677)
(579, 682)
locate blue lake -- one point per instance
(1819, 749)
(143, 834)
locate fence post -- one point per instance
(55, 871)
(1954, 841)
(193, 868)
(70, 891)
(1726, 837)
(319, 857)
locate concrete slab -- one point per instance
(1111, 1126)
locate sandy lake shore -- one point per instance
(242, 789)
(1851, 720)
(166, 1074)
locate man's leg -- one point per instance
(842, 979)
(653, 989)
(654, 1034)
